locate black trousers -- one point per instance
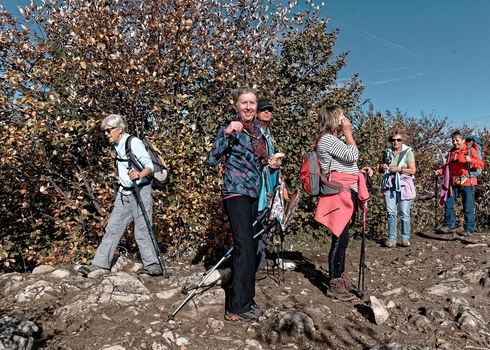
(336, 256)
(242, 212)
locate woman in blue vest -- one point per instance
(398, 166)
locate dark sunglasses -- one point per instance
(268, 109)
(109, 130)
(396, 140)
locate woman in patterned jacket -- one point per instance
(241, 148)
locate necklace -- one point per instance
(246, 132)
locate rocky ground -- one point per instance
(432, 295)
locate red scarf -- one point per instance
(258, 141)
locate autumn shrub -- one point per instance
(169, 67)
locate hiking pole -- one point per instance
(203, 279)
(435, 201)
(113, 183)
(471, 182)
(360, 283)
(208, 273)
(150, 230)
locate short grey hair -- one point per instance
(242, 90)
(114, 121)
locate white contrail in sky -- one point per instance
(372, 37)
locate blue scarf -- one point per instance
(390, 150)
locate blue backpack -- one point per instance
(473, 141)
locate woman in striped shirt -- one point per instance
(338, 159)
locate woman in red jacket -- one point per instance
(460, 161)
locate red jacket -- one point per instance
(458, 166)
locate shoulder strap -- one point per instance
(316, 145)
(402, 156)
(130, 158)
(318, 140)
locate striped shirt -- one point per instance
(335, 155)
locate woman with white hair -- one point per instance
(126, 209)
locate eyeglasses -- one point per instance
(396, 140)
(109, 130)
(268, 109)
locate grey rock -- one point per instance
(42, 269)
(60, 273)
(448, 287)
(394, 292)
(395, 346)
(473, 277)
(288, 323)
(456, 270)
(436, 314)
(17, 333)
(421, 322)
(379, 311)
(11, 282)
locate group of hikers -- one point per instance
(250, 166)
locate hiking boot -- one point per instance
(347, 282)
(152, 270)
(336, 289)
(86, 269)
(390, 243)
(405, 243)
(465, 234)
(446, 230)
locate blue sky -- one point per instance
(418, 55)
(415, 55)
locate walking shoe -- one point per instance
(86, 269)
(446, 230)
(337, 290)
(390, 243)
(152, 270)
(258, 310)
(405, 243)
(347, 282)
(465, 233)
(246, 316)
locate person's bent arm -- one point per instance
(347, 131)
(410, 170)
(219, 147)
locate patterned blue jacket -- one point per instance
(242, 173)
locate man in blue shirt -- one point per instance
(270, 175)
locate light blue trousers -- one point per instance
(126, 210)
(393, 203)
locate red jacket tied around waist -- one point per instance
(336, 211)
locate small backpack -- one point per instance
(314, 182)
(159, 178)
(473, 141)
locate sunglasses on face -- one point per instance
(268, 109)
(396, 140)
(109, 130)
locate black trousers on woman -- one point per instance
(336, 256)
(242, 212)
